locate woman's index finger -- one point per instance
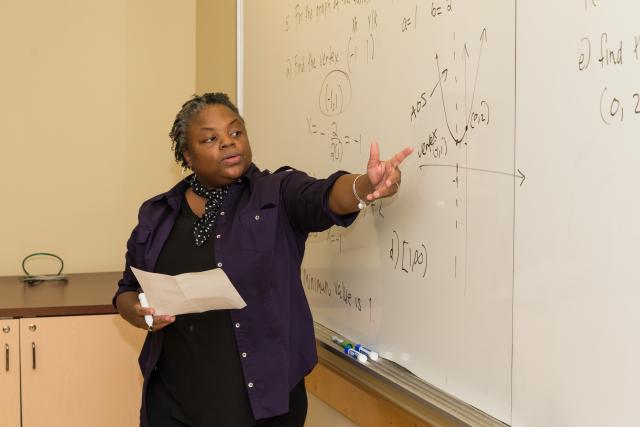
(400, 156)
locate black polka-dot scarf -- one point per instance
(203, 227)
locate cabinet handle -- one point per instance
(6, 354)
(33, 354)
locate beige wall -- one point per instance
(216, 47)
(89, 89)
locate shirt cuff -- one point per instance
(122, 288)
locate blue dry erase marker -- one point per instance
(370, 353)
(355, 354)
(357, 347)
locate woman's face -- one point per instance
(217, 146)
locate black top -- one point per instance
(199, 364)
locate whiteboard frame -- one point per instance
(385, 377)
(240, 55)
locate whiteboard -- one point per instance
(502, 273)
(576, 316)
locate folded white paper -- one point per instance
(189, 292)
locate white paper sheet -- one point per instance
(189, 292)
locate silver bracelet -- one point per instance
(361, 203)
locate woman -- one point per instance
(235, 367)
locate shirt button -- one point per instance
(250, 385)
(239, 179)
(244, 354)
(219, 264)
(237, 325)
(218, 236)
(257, 217)
(222, 213)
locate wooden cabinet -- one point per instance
(10, 372)
(71, 371)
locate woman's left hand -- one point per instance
(384, 176)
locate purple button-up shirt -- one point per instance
(259, 235)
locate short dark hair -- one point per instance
(178, 133)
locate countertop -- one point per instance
(82, 293)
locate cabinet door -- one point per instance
(10, 373)
(80, 371)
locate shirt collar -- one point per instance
(251, 174)
(176, 194)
